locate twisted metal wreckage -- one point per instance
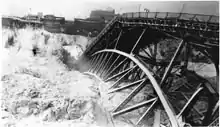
(157, 51)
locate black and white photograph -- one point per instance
(109, 63)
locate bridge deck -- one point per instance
(203, 27)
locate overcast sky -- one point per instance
(81, 8)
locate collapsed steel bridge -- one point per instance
(158, 52)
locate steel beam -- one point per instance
(146, 112)
(106, 65)
(115, 68)
(116, 83)
(168, 108)
(97, 66)
(147, 53)
(95, 63)
(111, 66)
(126, 86)
(169, 68)
(101, 64)
(193, 107)
(120, 73)
(130, 96)
(131, 108)
(189, 101)
(91, 64)
(137, 41)
(118, 39)
(216, 107)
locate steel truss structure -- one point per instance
(156, 51)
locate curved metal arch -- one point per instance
(168, 108)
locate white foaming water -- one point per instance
(53, 80)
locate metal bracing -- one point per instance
(94, 64)
(98, 63)
(138, 41)
(146, 68)
(200, 114)
(171, 62)
(126, 86)
(121, 63)
(130, 96)
(102, 63)
(190, 100)
(119, 74)
(113, 63)
(216, 107)
(149, 56)
(118, 39)
(117, 82)
(162, 97)
(139, 105)
(106, 65)
(146, 112)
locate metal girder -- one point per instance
(120, 73)
(179, 30)
(153, 61)
(146, 53)
(154, 74)
(216, 107)
(175, 28)
(99, 60)
(116, 68)
(172, 62)
(118, 39)
(101, 33)
(103, 62)
(131, 108)
(138, 40)
(111, 66)
(94, 64)
(215, 123)
(130, 96)
(193, 107)
(116, 83)
(190, 100)
(106, 65)
(126, 86)
(168, 108)
(146, 112)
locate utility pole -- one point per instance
(139, 8)
(182, 8)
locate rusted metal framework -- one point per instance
(155, 52)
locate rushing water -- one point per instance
(40, 86)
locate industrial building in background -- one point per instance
(87, 27)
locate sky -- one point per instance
(71, 9)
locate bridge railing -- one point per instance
(171, 15)
(158, 15)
